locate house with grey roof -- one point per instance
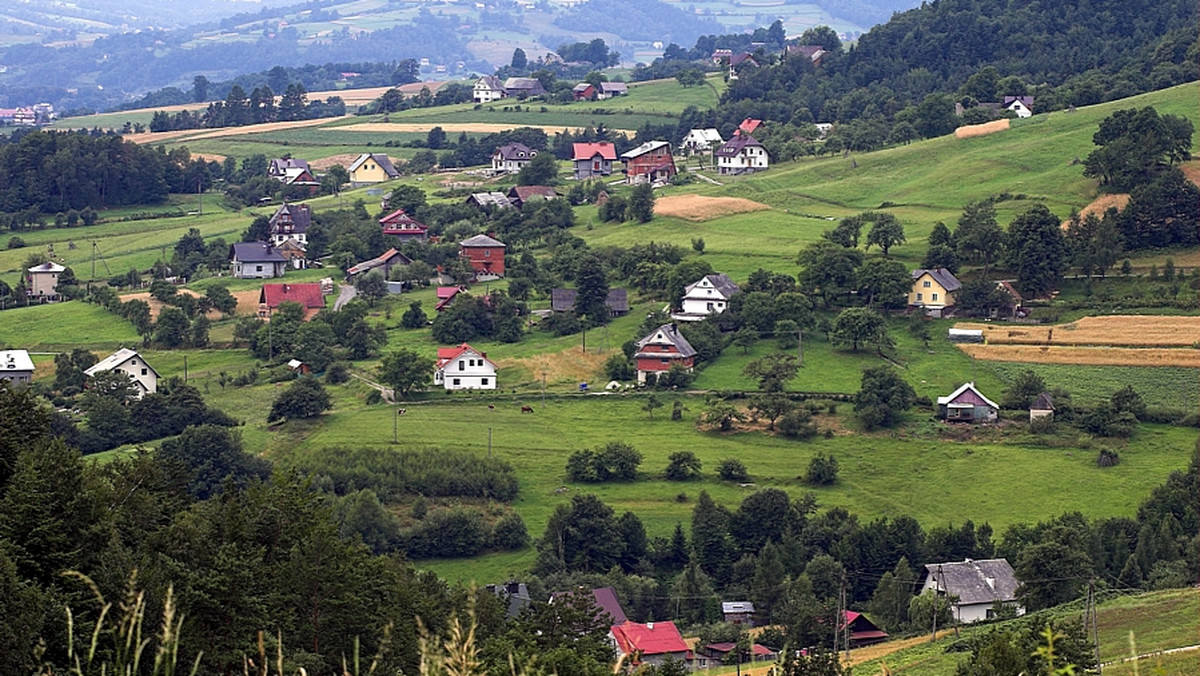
(489, 200)
(933, 290)
(16, 367)
(290, 221)
(510, 158)
(742, 154)
(979, 587)
(708, 296)
(738, 612)
(661, 349)
(129, 362)
(523, 87)
(256, 260)
(487, 89)
(563, 300)
(1043, 407)
(608, 90)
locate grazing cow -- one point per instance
(491, 407)
(526, 409)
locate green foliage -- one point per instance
(884, 396)
(615, 461)
(1024, 389)
(1036, 251)
(721, 416)
(1134, 145)
(771, 406)
(773, 371)
(582, 536)
(822, 471)
(541, 170)
(212, 458)
(393, 474)
(405, 370)
(732, 469)
(510, 533)
(682, 466)
(619, 367)
(641, 203)
(860, 326)
(304, 398)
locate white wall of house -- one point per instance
(468, 371)
(252, 270)
(483, 93)
(750, 158)
(966, 613)
(704, 300)
(300, 238)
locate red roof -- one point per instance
(586, 151)
(449, 354)
(757, 649)
(445, 294)
(400, 222)
(749, 125)
(655, 638)
(307, 294)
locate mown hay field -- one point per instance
(1105, 330)
(699, 208)
(1097, 356)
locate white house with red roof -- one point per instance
(464, 368)
(650, 643)
(593, 160)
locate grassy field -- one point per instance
(61, 326)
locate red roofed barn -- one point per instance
(307, 294)
(650, 643)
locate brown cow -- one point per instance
(526, 409)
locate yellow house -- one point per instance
(371, 168)
(933, 290)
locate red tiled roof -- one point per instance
(307, 294)
(449, 354)
(749, 125)
(656, 638)
(400, 221)
(586, 151)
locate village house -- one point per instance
(610, 90)
(1042, 407)
(738, 62)
(701, 141)
(487, 89)
(584, 91)
(861, 631)
(510, 158)
(520, 194)
(967, 404)
(383, 263)
(404, 227)
(129, 362)
(515, 596)
(723, 653)
(299, 367)
(593, 160)
(487, 201)
(279, 167)
(933, 290)
(980, 587)
(1021, 106)
(720, 55)
(307, 294)
(16, 367)
(523, 87)
(650, 162)
(256, 260)
(617, 301)
(814, 53)
(485, 254)
(371, 168)
(290, 222)
(464, 368)
(708, 296)
(741, 154)
(446, 295)
(43, 280)
(604, 600)
(294, 253)
(662, 348)
(738, 612)
(652, 643)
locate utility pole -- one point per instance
(185, 368)
(937, 590)
(845, 624)
(1091, 624)
(543, 389)
(800, 345)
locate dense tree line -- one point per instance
(258, 107)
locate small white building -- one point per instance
(487, 89)
(510, 158)
(464, 368)
(16, 367)
(979, 586)
(709, 296)
(43, 279)
(143, 375)
(700, 141)
(742, 154)
(1022, 106)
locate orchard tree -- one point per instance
(979, 239)
(405, 370)
(883, 397)
(304, 398)
(541, 170)
(860, 326)
(772, 371)
(884, 280)
(885, 233)
(828, 269)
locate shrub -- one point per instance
(798, 424)
(338, 373)
(429, 472)
(1043, 425)
(450, 533)
(561, 324)
(822, 471)
(732, 469)
(1108, 458)
(509, 533)
(682, 465)
(615, 461)
(305, 398)
(374, 397)
(618, 367)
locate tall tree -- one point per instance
(979, 239)
(710, 538)
(1036, 251)
(592, 294)
(404, 370)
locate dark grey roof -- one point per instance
(279, 167)
(481, 240)
(256, 252)
(299, 214)
(516, 593)
(720, 281)
(516, 151)
(1044, 402)
(563, 300)
(671, 333)
(492, 82)
(733, 147)
(603, 598)
(530, 86)
(614, 88)
(974, 582)
(943, 276)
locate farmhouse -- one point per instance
(43, 280)
(256, 260)
(1042, 407)
(294, 254)
(308, 295)
(813, 53)
(708, 296)
(584, 91)
(485, 254)
(593, 160)
(723, 653)
(520, 194)
(279, 168)
(371, 168)
(1022, 106)
(16, 367)
(742, 154)
(967, 404)
(563, 300)
(701, 141)
(649, 644)
(662, 348)
(515, 594)
(487, 89)
(862, 631)
(464, 368)
(523, 87)
(489, 200)
(650, 162)
(383, 262)
(604, 600)
(738, 612)
(401, 225)
(933, 290)
(290, 222)
(738, 62)
(510, 158)
(143, 375)
(979, 585)
(609, 90)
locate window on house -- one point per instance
(456, 381)
(483, 381)
(143, 371)
(933, 296)
(258, 268)
(665, 360)
(926, 284)
(462, 366)
(919, 294)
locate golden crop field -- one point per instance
(1098, 356)
(1108, 330)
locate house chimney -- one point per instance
(650, 626)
